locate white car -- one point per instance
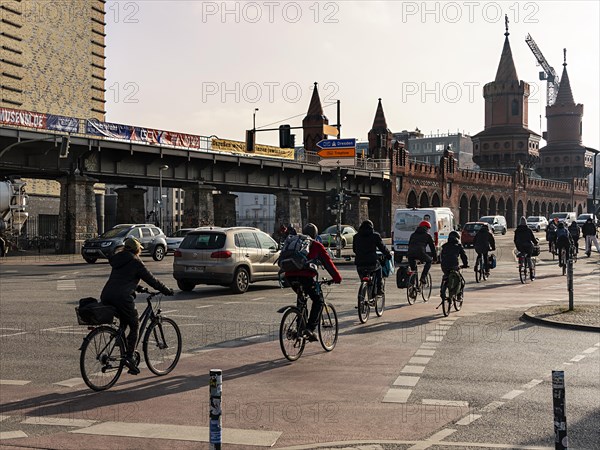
(537, 223)
(584, 217)
(174, 241)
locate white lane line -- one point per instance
(597, 345)
(258, 298)
(438, 333)
(71, 382)
(169, 311)
(491, 406)
(14, 382)
(203, 306)
(512, 394)
(181, 432)
(3, 417)
(459, 403)
(397, 395)
(418, 360)
(468, 419)
(231, 303)
(441, 435)
(13, 334)
(412, 369)
(10, 271)
(59, 421)
(406, 380)
(12, 434)
(590, 350)
(424, 352)
(429, 345)
(568, 364)
(531, 384)
(182, 315)
(578, 358)
(434, 338)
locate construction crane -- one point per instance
(552, 81)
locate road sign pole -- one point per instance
(215, 425)
(570, 280)
(560, 413)
(338, 246)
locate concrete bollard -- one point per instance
(215, 427)
(560, 413)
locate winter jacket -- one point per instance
(588, 228)
(450, 253)
(524, 237)
(365, 245)
(484, 241)
(551, 231)
(317, 252)
(127, 271)
(421, 243)
(574, 231)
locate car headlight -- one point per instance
(106, 244)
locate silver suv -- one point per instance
(234, 257)
(151, 237)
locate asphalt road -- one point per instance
(411, 376)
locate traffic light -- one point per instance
(250, 140)
(64, 147)
(332, 199)
(285, 136)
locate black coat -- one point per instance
(127, 270)
(524, 237)
(420, 243)
(484, 241)
(365, 245)
(450, 253)
(588, 229)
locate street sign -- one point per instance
(337, 143)
(337, 153)
(329, 130)
(331, 162)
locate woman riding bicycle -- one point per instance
(524, 241)
(417, 249)
(306, 278)
(119, 292)
(449, 255)
(365, 245)
(484, 242)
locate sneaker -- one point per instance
(132, 366)
(310, 335)
(423, 281)
(380, 292)
(532, 278)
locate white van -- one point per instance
(565, 217)
(406, 221)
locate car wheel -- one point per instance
(343, 242)
(503, 231)
(159, 253)
(185, 286)
(90, 260)
(241, 281)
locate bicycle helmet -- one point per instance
(366, 225)
(310, 229)
(454, 236)
(425, 224)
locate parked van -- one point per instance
(565, 217)
(497, 223)
(406, 221)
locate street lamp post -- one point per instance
(254, 121)
(160, 196)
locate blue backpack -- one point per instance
(562, 233)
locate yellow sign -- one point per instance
(337, 153)
(226, 145)
(330, 130)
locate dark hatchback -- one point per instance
(469, 231)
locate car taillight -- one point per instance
(177, 254)
(435, 238)
(223, 254)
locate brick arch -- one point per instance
(520, 211)
(492, 206)
(543, 212)
(569, 207)
(463, 210)
(579, 210)
(501, 210)
(483, 206)
(536, 208)
(509, 213)
(563, 207)
(529, 209)
(473, 209)
(424, 200)
(411, 200)
(556, 207)
(550, 208)
(435, 200)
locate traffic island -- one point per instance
(583, 317)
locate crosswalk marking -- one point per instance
(65, 285)
(424, 352)
(406, 380)
(14, 382)
(531, 384)
(459, 403)
(71, 382)
(590, 350)
(512, 394)
(58, 421)
(468, 419)
(413, 369)
(577, 358)
(395, 395)
(419, 360)
(12, 434)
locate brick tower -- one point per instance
(380, 136)
(564, 157)
(506, 141)
(313, 123)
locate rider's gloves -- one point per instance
(168, 291)
(337, 279)
(388, 256)
(139, 288)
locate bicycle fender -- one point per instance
(285, 308)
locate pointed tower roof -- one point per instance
(379, 123)
(315, 108)
(506, 68)
(565, 95)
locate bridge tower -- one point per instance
(313, 123)
(380, 137)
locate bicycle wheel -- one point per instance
(523, 270)
(328, 327)
(532, 269)
(290, 338)
(380, 301)
(411, 289)
(426, 289)
(563, 260)
(363, 302)
(458, 300)
(162, 346)
(102, 358)
(478, 269)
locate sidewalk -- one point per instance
(584, 316)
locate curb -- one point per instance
(554, 323)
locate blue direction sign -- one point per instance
(337, 143)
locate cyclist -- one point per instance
(524, 241)
(563, 241)
(119, 291)
(417, 249)
(484, 241)
(590, 235)
(306, 276)
(575, 233)
(449, 255)
(551, 234)
(365, 245)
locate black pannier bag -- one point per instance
(92, 312)
(402, 275)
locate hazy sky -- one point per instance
(203, 67)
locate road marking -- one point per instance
(577, 358)
(512, 394)
(14, 382)
(59, 421)
(531, 384)
(491, 406)
(12, 434)
(406, 380)
(468, 419)
(426, 352)
(182, 315)
(203, 306)
(71, 382)
(65, 285)
(418, 360)
(10, 271)
(258, 298)
(412, 369)
(434, 338)
(430, 345)
(169, 311)
(590, 350)
(597, 345)
(397, 395)
(444, 327)
(231, 303)
(181, 432)
(437, 333)
(568, 364)
(459, 403)
(2, 417)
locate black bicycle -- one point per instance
(480, 272)
(452, 291)
(415, 287)
(524, 266)
(103, 350)
(293, 328)
(367, 295)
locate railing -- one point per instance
(368, 164)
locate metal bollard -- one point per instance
(560, 413)
(570, 281)
(215, 386)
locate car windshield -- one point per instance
(487, 219)
(533, 219)
(115, 232)
(473, 227)
(332, 229)
(203, 241)
(584, 216)
(181, 233)
(559, 215)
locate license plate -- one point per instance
(90, 251)
(403, 248)
(195, 269)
